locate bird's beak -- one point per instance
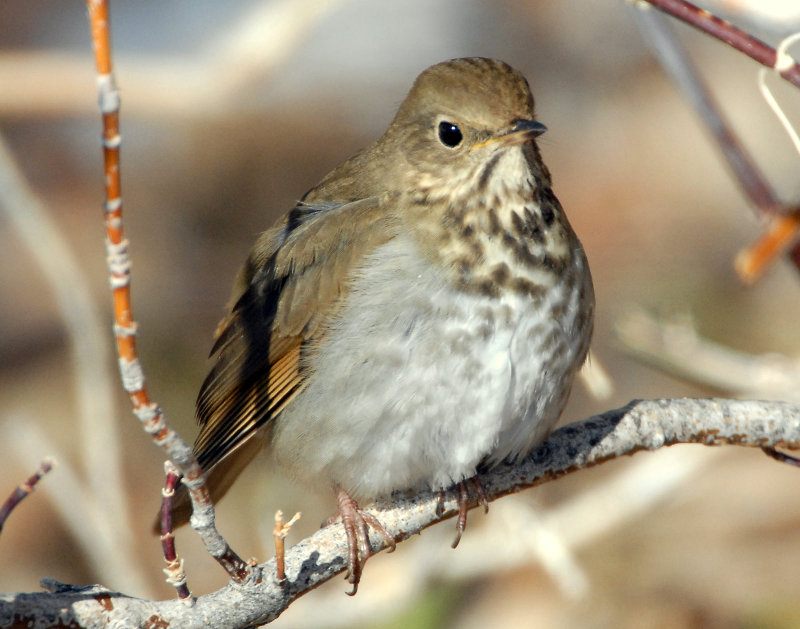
(523, 131)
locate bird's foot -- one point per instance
(355, 521)
(463, 500)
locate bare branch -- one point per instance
(24, 490)
(641, 425)
(677, 348)
(101, 450)
(176, 575)
(675, 61)
(781, 234)
(279, 534)
(726, 32)
(125, 328)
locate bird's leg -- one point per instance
(462, 489)
(355, 522)
(483, 500)
(463, 503)
(357, 544)
(440, 503)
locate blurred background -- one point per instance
(230, 112)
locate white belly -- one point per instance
(417, 383)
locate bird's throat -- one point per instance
(500, 229)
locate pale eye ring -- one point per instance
(449, 134)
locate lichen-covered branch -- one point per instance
(640, 425)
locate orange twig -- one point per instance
(133, 379)
(279, 534)
(781, 233)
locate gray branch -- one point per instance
(640, 425)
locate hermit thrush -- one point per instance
(421, 312)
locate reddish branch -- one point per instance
(784, 221)
(174, 569)
(24, 490)
(728, 33)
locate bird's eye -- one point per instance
(449, 134)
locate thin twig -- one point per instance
(84, 514)
(176, 575)
(782, 231)
(778, 238)
(782, 456)
(279, 534)
(24, 490)
(675, 61)
(726, 32)
(125, 328)
(101, 457)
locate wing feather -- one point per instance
(287, 291)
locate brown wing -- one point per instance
(291, 283)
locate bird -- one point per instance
(419, 315)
